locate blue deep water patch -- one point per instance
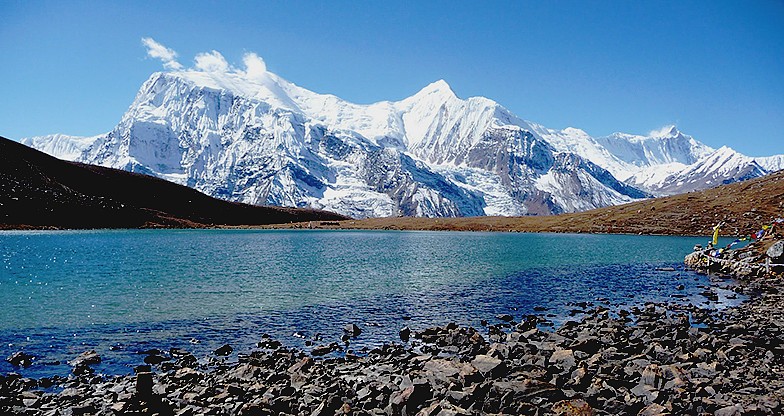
(618, 286)
(122, 292)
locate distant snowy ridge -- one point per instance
(60, 145)
(716, 168)
(625, 155)
(251, 136)
(771, 163)
(666, 162)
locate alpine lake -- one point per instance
(122, 292)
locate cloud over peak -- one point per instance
(158, 51)
(211, 62)
(255, 67)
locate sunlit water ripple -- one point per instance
(67, 291)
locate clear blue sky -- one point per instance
(714, 68)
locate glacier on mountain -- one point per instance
(251, 136)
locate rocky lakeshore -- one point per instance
(653, 360)
(760, 258)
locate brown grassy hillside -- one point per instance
(744, 206)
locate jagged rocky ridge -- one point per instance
(260, 139)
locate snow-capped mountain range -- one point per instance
(253, 137)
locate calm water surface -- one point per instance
(64, 292)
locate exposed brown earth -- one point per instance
(40, 191)
(744, 207)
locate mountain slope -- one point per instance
(744, 207)
(37, 190)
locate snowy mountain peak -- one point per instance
(263, 140)
(573, 131)
(439, 88)
(433, 95)
(723, 157)
(725, 151)
(246, 134)
(668, 131)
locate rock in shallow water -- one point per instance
(352, 330)
(155, 359)
(405, 334)
(224, 350)
(324, 349)
(20, 359)
(505, 317)
(86, 358)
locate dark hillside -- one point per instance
(40, 191)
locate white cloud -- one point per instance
(158, 51)
(211, 62)
(255, 67)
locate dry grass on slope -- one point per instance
(744, 207)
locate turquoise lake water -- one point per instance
(65, 291)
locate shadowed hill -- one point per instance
(40, 191)
(743, 206)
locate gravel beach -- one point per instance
(653, 360)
